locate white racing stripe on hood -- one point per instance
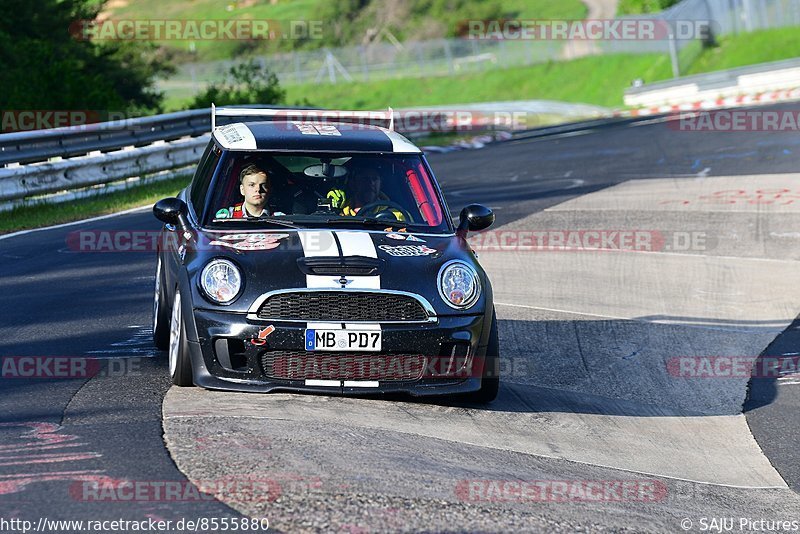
(359, 244)
(314, 281)
(319, 244)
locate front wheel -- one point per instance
(180, 366)
(161, 315)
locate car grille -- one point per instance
(300, 365)
(342, 306)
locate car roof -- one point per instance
(283, 135)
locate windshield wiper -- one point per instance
(268, 220)
(371, 221)
(278, 222)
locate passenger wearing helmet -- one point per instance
(364, 189)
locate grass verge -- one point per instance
(638, 7)
(27, 217)
(597, 80)
(749, 49)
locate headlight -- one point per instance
(221, 281)
(459, 285)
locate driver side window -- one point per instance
(202, 178)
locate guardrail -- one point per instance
(63, 164)
(41, 145)
(774, 76)
(91, 170)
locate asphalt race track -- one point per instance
(603, 355)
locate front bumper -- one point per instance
(230, 356)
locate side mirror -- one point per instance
(475, 218)
(172, 211)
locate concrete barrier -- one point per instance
(775, 76)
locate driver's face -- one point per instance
(369, 187)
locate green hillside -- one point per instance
(343, 22)
(637, 7)
(594, 80)
(748, 49)
(599, 80)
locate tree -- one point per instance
(45, 66)
(245, 83)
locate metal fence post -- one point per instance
(329, 63)
(420, 58)
(673, 53)
(529, 55)
(780, 17)
(364, 68)
(449, 55)
(748, 16)
(195, 85)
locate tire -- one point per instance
(490, 379)
(161, 312)
(180, 365)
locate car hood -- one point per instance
(332, 259)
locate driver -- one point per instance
(365, 189)
(255, 187)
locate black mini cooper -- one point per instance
(320, 257)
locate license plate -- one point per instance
(343, 340)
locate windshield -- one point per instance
(312, 190)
